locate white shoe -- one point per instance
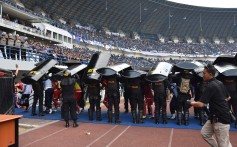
(50, 111)
(172, 116)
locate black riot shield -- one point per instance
(97, 61)
(227, 69)
(71, 62)
(114, 69)
(39, 71)
(159, 72)
(184, 66)
(226, 59)
(133, 73)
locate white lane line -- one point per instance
(35, 127)
(101, 136)
(45, 137)
(117, 136)
(171, 137)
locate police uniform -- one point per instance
(112, 92)
(199, 88)
(10, 48)
(24, 46)
(230, 84)
(69, 101)
(38, 88)
(17, 45)
(93, 91)
(136, 99)
(159, 89)
(3, 44)
(126, 96)
(183, 82)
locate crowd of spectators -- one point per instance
(84, 54)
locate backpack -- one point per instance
(185, 85)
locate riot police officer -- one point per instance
(136, 99)
(112, 92)
(69, 101)
(159, 89)
(93, 91)
(183, 81)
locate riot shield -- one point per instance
(199, 70)
(133, 73)
(114, 69)
(71, 62)
(184, 66)
(226, 59)
(39, 71)
(227, 69)
(72, 69)
(159, 72)
(97, 61)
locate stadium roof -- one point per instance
(152, 18)
(209, 3)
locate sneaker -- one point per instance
(172, 116)
(144, 116)
(151, 117)
(50, 111)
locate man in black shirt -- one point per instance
(218, 123)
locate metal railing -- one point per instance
(29, 54)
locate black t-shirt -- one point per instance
(215, 94)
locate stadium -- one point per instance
(141, 42)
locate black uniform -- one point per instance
(200, 85)
(38, 88)
(69, 101)
(136, 99)
(126, 96)
(93, 91)
(230, 84)
(112, 92)
(159, 89)
(183, 82)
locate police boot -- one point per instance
(202, 118)
(134, 117)
(110, 116)
(98, 115)
(33, 112)
(117, 120)
(140, 119)
(126, 108)
(67, 124)
(157, 117)
(186, 118)
(75, 124)
(90, 114)
(179, 118)
(164, 117)
(196, 114)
